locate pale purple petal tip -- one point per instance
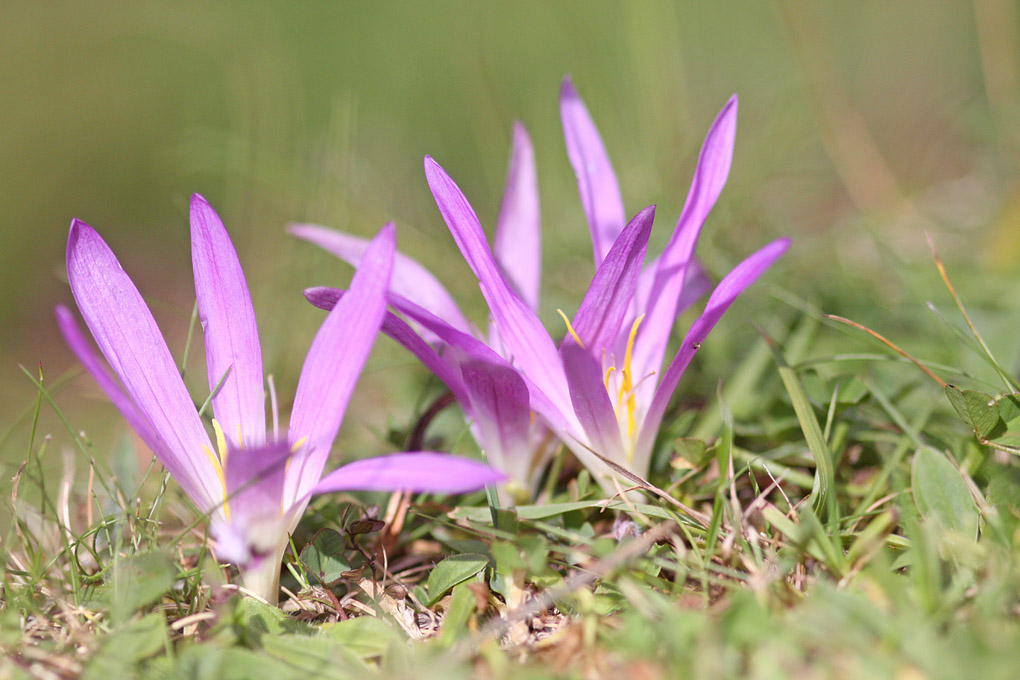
(232, 346)
(127, 335)
(608, 298)
(518, 325)
(518, 240)
(596, 181)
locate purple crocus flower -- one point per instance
(475, 366)
(253, 485)
(597, 389)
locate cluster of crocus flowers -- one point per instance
(254, 485)
(602, 389)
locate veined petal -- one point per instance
(518, 241)
(522, 331)
(596, 181)
(334, 362)
(80, 346)
(671, 274)
(501, 406)
(422, 471)
(232, 346)
(128, 337)
(399, 330)
(410, 278)
(591, 402)
(606, 303)
(742, 276)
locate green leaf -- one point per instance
(462, 604)
(137, 581)
(126, 646)
(825, 474)
(321, 657)
(694, 451)
(453, 570)
(325, 556)
(977, 409)
(206, 662)
(1007, 430)
(940, 493)
(508, 557)
(365, 637)
(256, 618)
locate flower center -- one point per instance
(625, 403)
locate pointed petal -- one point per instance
(399, 330)
(522, 331)
(591, 402)
(80, 346)
(334, 362)
(228, 321)
(518, 242)
(709, 179)
(742, 276)
(128, 337)
(424, 471)
(608, 299)
(410, 278)
(596, 181)
(501, 405)
(254, 478)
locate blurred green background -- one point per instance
(861, 126)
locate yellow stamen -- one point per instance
(627, 384)
(221, 441)
(240, 437)
(220, 463)
(609, 372)
(297, 445)
(219, 473)
(570, 329)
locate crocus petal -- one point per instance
(501, 406)
(80, 346)
(591, 402)
(606, 303)
(742, 276)
(423, 471)
(228, 321)
(334, 362)
(128, 337)
(709, 179)
(399, 330)
(518, 240)
(410, 278)
(596, 181)
(518, 325)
